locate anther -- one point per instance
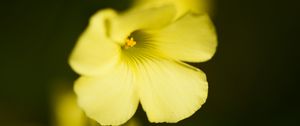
(129, 43)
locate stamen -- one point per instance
(129, 43)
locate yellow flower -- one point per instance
(136, 56)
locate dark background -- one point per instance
(253, 77)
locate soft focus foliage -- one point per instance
(66, 110)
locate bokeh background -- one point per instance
(253, 77)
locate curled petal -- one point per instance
(109, 99)
(94, 53)
(170, 92)
(135, 19)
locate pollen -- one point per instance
(129, 42)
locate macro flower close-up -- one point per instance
(139, 57)
(149, 63)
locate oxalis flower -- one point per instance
(137, 57)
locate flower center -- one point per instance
(129, 42)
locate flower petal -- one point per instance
(170, 92)
(94, 53)
(182, 6)
(192, 38)
(135, 19)
(110, 99)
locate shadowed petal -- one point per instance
(182, 6)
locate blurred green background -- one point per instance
(253, 77)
